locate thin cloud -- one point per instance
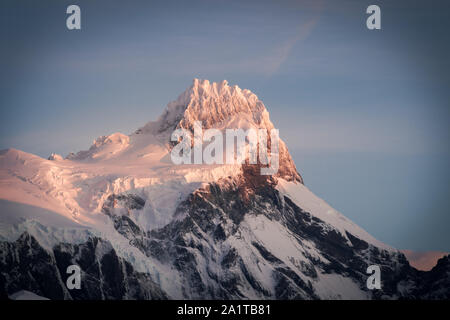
(283, 52)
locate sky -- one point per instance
(365, 113)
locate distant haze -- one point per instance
(423, 260)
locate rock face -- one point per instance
(435, 283)
(221, 233)
(204, 247)
(24, 264)
(218, 256)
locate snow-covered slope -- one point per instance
(184, 231)
(308, 201)
(26, 295)
(77, 186)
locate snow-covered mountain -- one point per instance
(141, 227)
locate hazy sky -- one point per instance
(364, 113)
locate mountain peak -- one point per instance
(204, 87)
(206, 84)
(221, 106)
(216, 105)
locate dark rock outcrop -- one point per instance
(25, 265)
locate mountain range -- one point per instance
(141, 227)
